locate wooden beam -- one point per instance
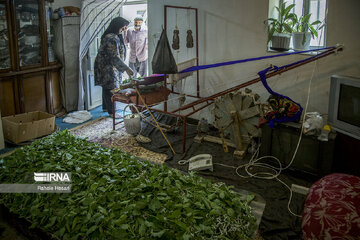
(33, 70)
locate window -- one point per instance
(317, 8)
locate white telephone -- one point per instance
(201, 162)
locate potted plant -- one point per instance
(279, 30)
(303, 30)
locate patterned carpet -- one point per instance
(100, 131)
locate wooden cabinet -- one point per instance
(313, 156)
(7, 96)
(28, 80)
(33, 91)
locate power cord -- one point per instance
(254, 162)
(263, 175)
(275, 171)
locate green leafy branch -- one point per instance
(283, 23)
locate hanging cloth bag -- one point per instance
(163, 60)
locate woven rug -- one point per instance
(101, 131)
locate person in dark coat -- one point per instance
(109, 61)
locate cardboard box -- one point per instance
(23, 127)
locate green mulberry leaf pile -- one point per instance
(116, 196)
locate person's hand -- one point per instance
(129, 72)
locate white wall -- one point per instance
(129, 12)
(234, 29)
(62, 3)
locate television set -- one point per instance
(344, 105)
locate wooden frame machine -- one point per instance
(204, 102)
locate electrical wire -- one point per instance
(306, 107)
(291, 194)
(255, 161)
(276, 171)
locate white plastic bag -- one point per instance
(313, 123)
(77, 117)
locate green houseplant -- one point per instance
(303, 30)
(280, 29)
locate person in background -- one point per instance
(138, 40)
(109, 61)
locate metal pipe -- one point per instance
(184, 133)
(177, 110)
(165, 103)
(169, 113)
(195, 111)
(187, 95)
(190, 105)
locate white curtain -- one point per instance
(95, 15)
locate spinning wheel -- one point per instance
(236, 117)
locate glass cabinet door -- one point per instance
(28, 32)
(4, 39)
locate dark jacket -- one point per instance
(109, 62)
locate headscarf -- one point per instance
(115, 25)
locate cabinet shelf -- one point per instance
(28, 81)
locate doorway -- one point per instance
(130, 10)
(93, 94)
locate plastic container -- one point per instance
(61, 12)
(298, 38)
(132, 122)
(324, 136)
